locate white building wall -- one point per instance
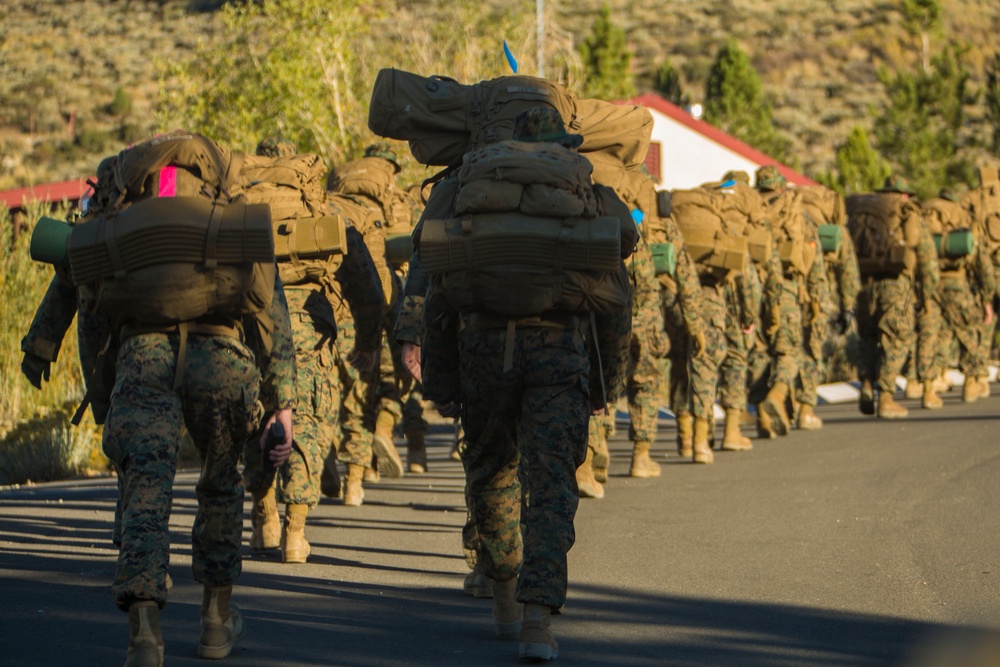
(689, 158)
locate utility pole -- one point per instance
(540, 11)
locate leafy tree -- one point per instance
(607, 61)
(859, 168)
(921, 18)
(993, 101)
(919, 129)
(667, 82)
(735, 102)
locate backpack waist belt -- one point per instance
(484, 321)
(205, 327)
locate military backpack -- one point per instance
(885, 228)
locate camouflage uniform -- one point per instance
(525, 424)
(984, 203)
(220, 403)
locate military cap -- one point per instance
(276, 147)
(769, 178)
(544, 124)
(384, 151)
(736, 175)
(896, 183)
(953, 193)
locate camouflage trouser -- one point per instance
(527, 427)
(777, 359)
(811, 357)
(645, 391)
(218, 403)
(354, 443)
(677, 384)
(705, 369)
(886, 321)
(733, 378)
(599, 430)
(398, 387)
(316, 413)
(925, 347)
(962, 322)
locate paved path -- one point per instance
(861, 544)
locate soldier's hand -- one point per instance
(817, 312)
(362, 361)
(411, 359)
(699, 344)
(451, 410)
(987, 320)
(283, 450)
(35, 369)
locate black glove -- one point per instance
(35, 369)
(844, 321)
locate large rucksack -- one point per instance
(524, 235)
(716, 246)
(824, 209)
(950, 225)
(168, 238)
(984, 202)
(885, 228)
(375, 179)
(309, 229)
(788, 229)
(443, 119)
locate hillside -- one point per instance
(78, 78)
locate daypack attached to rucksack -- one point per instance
(559, 255)
(885, 229)
(950, 227)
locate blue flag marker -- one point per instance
(638, 216)
(510, 56)
(728, 184)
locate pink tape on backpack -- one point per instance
(168, 182)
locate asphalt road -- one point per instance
(867, 543)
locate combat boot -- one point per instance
(702, 450)
(866, 398)
(506, 609)
(601, 459)
(389, 463)
(685, 435)
(764, 428)
(774, 407)
(931, 401)
(984, 387)
(536, 641)
(294, 546)
(972, 390)
(264, 521)
(808, 419)
(329, 479)
(354, 493)
(732, 439)
(221, 623)
(370, 475)
(942, 384)
(913, 389)
(586, 484)
(642, 464)
(477, 584)
(145, 644)
(888, 408)
(416, 452)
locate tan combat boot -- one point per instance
(264, 521)
(145, 644)
(942, 384)
(702, 450)
(477, 584)
(416, 452)
(506, 609)
(588, 486)
(808, 419)
(931, 401)
(685, 435)
(294, 546)
(354, 493)
(389, 463)
(972, 390)
(732, 439)
(601, 460)
(221, 623)
(888, 408)
(643, 465)
(913, 389)
(984, 384)
(536, 641)
(764, 428)
(866, 399)
(774, 407)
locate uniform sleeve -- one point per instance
(928, 272)
(361, 287)
(689, 293)
(748, 291)
(279, 373)
(848, 274)
(52, 319)
(984, 275)
(409, 324)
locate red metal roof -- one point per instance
(654, 101)
(45, 192)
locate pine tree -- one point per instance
(859, 167)
(607, 62)
(667, 82)
(921, 18)
(993, 102)
(735, 102)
